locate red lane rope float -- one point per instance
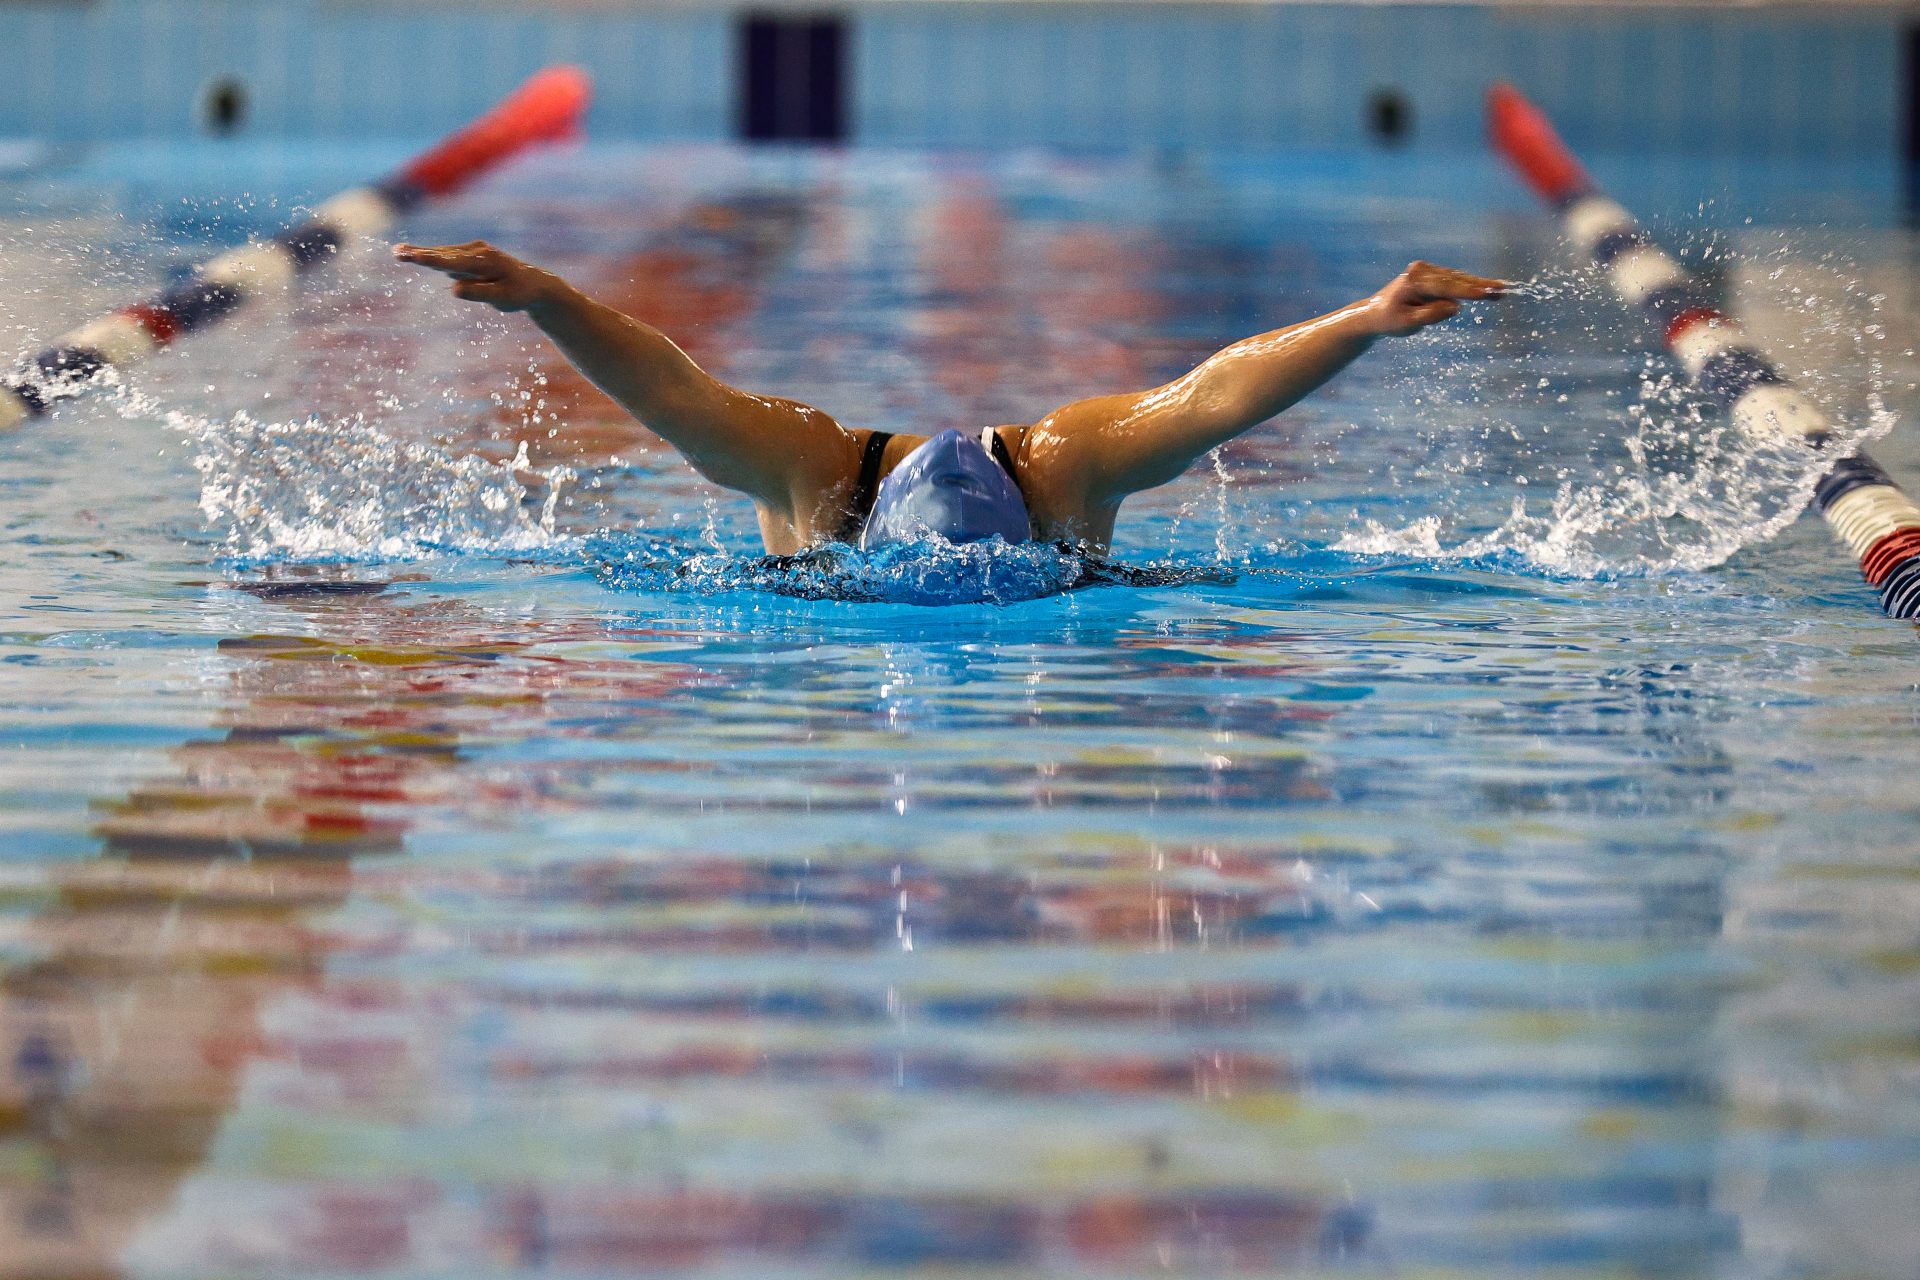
(1691, 317)
(547, 108)
(1525, 136)
(157, 321)
(1889, 553)
(1859, 501)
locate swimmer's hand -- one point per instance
(482, 273)
(1424, 294)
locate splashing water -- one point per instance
(1559, 474)
(932, 572)
(318, 489)
(1665, 480)
(1691, 495)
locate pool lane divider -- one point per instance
(547, 108)
(1860, 502)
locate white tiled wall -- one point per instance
(1792, 81)
(119, 68)
(1806, 81)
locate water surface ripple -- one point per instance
(429, 863)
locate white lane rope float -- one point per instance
(1860, 502)
(546, 108)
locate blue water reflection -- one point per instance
(553, 886)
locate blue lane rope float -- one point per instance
(1860, 502)
(546, 108)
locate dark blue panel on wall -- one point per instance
(791, 77)
(1911, 69)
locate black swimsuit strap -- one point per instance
(866, 486)
(1004, 456)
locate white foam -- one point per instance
(318, 489)
(1595, 531)
(1681, 486)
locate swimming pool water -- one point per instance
(422, 867)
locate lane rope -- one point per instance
(1860, 502)
(547, 108)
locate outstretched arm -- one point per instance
(1121, 444)
(766, 447)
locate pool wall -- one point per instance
(1787, 80)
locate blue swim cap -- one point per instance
(949, 486)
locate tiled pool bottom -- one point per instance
(463, 916)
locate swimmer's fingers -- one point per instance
(481, 273)
(1424, 294)
(1426, 281)
(1433, 312)
(491, 292)
(475, 260)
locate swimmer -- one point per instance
(1060, 479)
